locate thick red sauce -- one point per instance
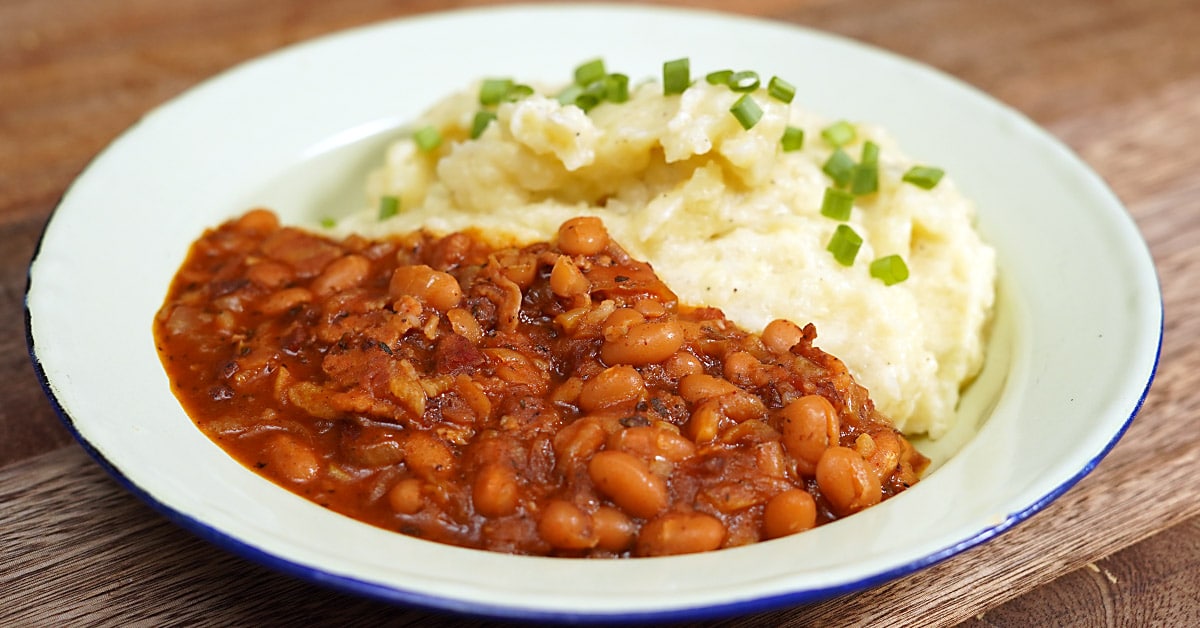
(553, 399)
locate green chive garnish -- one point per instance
(890, 269)
(838, 133)
(616, 86)
(837, 204)
(676, 76)
(720, 77)
(592, 95)
(481, 122)
(568, 95)
(793, 139)
(744, 81)
(747, 112)
(590, 72)
(494, 90)
(517, 92)
(427, 138)
(925, 177)
(388, 206)
(781, 90)
(866, 174)
(839, 167)
(844, 245)
(328, 223)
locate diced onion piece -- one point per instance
(844, 245)
(388, 206)
(676, 76)
(839, 167)
(747, 111)
(793, 139)
(889, 269)
(781, 90)
(839, 133)
(837, 204)
(925, 177)
(427, 138)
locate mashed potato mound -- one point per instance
(727, 218)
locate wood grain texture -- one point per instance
(1118, 81)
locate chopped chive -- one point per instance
(328, 222)
(494, 90)
(890, 269)
(388, 206)
(481, 122)
(744, 81)
(720, 77)
(592, 95)
(925, 177)
(844, 245)
(568, 95)
(837, 204)
(839, 133)
(839, 167)
(616, 86)
(427, 138)
(793, 139)
(866, 175)
(747, 111)
(517, 92)
(781, 90)
(590, 72)
(676, 76)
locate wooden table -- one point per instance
(1118, 80)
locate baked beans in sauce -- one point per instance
(552, 399)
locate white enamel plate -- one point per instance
(1077, 336)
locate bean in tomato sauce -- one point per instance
(549, 399)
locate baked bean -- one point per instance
(742, 368)
(495, 491)
(584, 235)
(341, 274)
(614, 529)
(847, 481)
(258, 219)
(426, 455)
(881, 450)
(615, 386)
(699, 387)
(789, 512)
(809, 426)
(650, 308)
(652, 441)
(291, 460)
(437, 289)
(279, 302)
(707, 422)
(646, 343)
(680, 533)
(617, 323)
(269, 273)
(564, 526)
(405, 497)
(566, 280)
(682, 364)
(628, 482)
(578, 440)
(781, 335)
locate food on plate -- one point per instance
(554, 398)
(740, 199)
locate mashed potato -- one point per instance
(727, 218)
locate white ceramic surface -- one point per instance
(1077, 337)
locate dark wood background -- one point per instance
(1117, 80)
